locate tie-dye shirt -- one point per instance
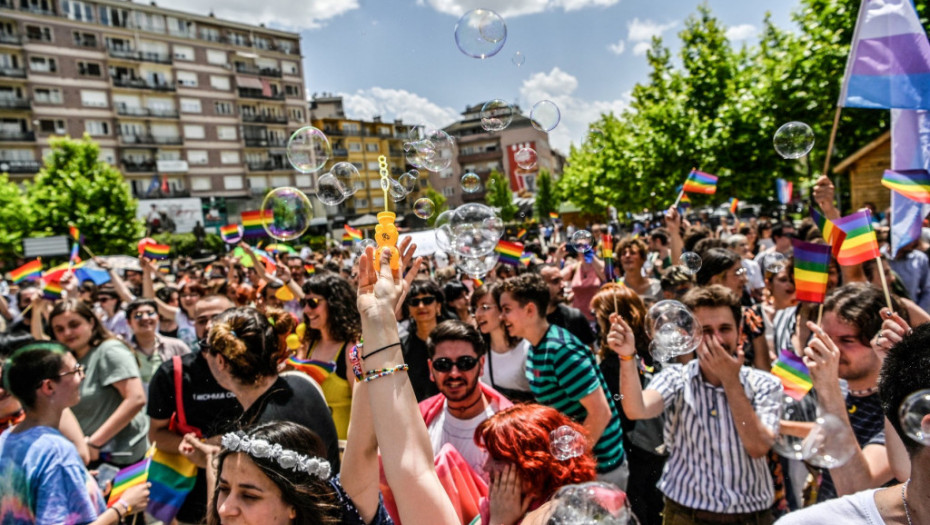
(43, 480)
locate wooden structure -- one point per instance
(865, 168)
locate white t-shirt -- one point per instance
(460, 433)
(509, 368)
(855, 509)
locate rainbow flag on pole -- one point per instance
(31, 271)
(172, 477)
(833, 235)
(811, 271)
(129, 477)
(51, 290)
(860, 244)
(510, 252)
(794, 375)
(231, 233)
(156, 251)
(521, 234)
(684, 203)
(354, 233)
(253, 223)
(913, 184)
(700, 182)
(734, 205)
(553, 215)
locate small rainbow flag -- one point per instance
(734, 205)
(310, 269)
(156, 251)
(354, 234)
(31, 271)
(527, 258)
(172, 477)
(510, 252)
(51, 290)
(811, 271)
(794, 375)
(252, 223)
(478, 282)
(553, 215)
(784, 189)
(913, 184)
(521, 234)
(129, 477)
(700, 182)
(685, 202)
(833, 235)
(74, 233)
(860, 244)
(231, 233)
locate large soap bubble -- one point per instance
(286, 213)
(796, 418)
(545, 115)
(308, 149)
(329, 190)
(518, 58)
(915, 416)
(347, 175)
(409, 180)
(477, 267)
(566, 443)
(525, 158)
(828, 445)
(591, 503)
(433, 151)
(496, 115)
(424, 208)
(794, 140)
(582, 241)
(443, 229)
(471, 182)
(774, 262)
(691, 262)
(480, 33)
(476, 229)
(673, 328)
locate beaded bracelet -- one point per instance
(356, 363)
(371, 375)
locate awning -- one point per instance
(248, 82)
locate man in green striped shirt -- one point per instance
(563, 372)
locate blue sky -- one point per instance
(398, 58)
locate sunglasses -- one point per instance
(417, 301)
(310, 302)
(464, 364)
(144, 315)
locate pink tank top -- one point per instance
(585, 284)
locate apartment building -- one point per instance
(202, 106)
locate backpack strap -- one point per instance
(179, 404)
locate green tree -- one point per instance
(546, 196)
(14, 219)
(439, 203)
(76, 187)
(498, 195)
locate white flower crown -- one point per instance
(288, 459)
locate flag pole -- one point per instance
(820, 314)
(836, 124)
(86, 249)
(881, 273)
(680, 195)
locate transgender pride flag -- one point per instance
(889, 59)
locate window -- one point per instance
(210, 34)
(355, 146)
(350, 127)
(48, 95)
(361, 203)
(76, 10)
(229, 157)
(187, 78)
(377, 202)
(39, 33)
(43, 64)
(358, 165)
(289, 67)
(183, 53)
(278, 181)
(374, 184)
(226, 132)
(190, 105)
(223, 108)
(261, 42)
(97, 99)
(291, 90)
(303, 180)
(197, 156)
(85, 39)
(52, 126)
(193, 131)
(285, 46)
(89, 69)
(218, 82)
(373, 165)
(297, 114)
(232, 182)
(238, 39)
(97, 127)
(372, 147)
(448, 192)
(178, 27)
(113, 16)
(216, 57)
(200, 184)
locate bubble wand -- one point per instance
(386, 232)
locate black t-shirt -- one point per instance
(294, 398)
(417, 358)
(574, 321)
(207, 406)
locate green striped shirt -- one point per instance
(562, 371)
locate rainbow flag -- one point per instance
(521, 234)
(860, 244)
(252, 223)
(784, 190)
(156, 251)
(794, 375)
(310, 269)
(51, 290)
(129, 477)
(317, 370)
(31, 271)
(478, 282)
(526, 259)
(553, 215)
(700, 182)
(811, 271)
(231, 233)
(510, 252)
(734, 205)
(833, 235)
(172, 477)
(354, 234)
(684, 203)
(913, 184)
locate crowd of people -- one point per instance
(318, 389)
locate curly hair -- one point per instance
(860, 304)
(252, 343)
(633, 244)
(519, 435)
(616, 298)
(343, 320)
(314, 499)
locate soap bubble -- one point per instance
(496, 115)
(518, 58)
(398, 193)
(329, 190)
(525, 158)
(444, 230)
(308, 149)
(566, 443)
(595, 140)
(471, 182)
(774, 262)
(477, 267)
(915, 416)
(286, 213)
(691, 262)
(480, 33)
(361, 245)
(348, 176)
(582, 241)
(545, 115)
(828, 445)
(476, 228)
(787, 443)
(794, 140)
(591, 503)
(409, 180)
(423, 208)
(433, 151)
(673, 328)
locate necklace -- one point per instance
(864, 393)
(463, 409)
(907, 510)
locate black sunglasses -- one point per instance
(417, 301)
(464, 364)
(310, 302)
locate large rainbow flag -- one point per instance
(913, 184)
(510, 252)
(31, 271)
(811, 270)
(860, 244)
(252, 223)
(351, 236)
(172, 477)
(794, 375)
(700, 182)
(831, 233)
(156, 251)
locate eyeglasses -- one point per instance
(105, 298)
(310, 302)
(144, 315)
(78, 369)
(417, 301)
(464, 364)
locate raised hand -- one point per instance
(822, 358)
(620, 338)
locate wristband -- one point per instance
(91, 445)
(625, 357)
(118, 513)
(383, 348)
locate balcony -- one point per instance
(268, 165)
(139, 83)
(394, 152)
(264, 143)
(15, 103)
(19, 166)
(340, 152)
(139, 193)
(36, 10)
(7, 4)
(137, 166)
(260, 71)
(268, 119)
(144, 56)
(480, 156)
(257, 93)
(15, 72)
(7, 38)
(17, 136)
(152, 139)
(127, 111)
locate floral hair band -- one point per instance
(288, 459)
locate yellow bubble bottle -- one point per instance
(386, 236)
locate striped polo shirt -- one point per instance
(562, 371)
(708, 467)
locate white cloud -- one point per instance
(513, 7)
(392, 104)
(559, 87)
(618, 47)
(643, 30)
(741, 32)
(641, 47)
(288, 14)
